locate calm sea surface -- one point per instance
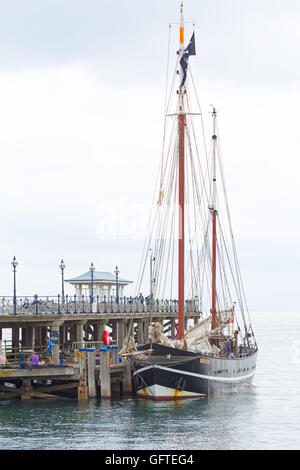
(266, 416)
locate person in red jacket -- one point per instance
(106, 338)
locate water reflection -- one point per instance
(127, 423)
(197, 423)
(264, 416)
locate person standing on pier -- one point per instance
(49, 350)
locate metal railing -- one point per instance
(37, 305)
(86, 344)
(17, 356)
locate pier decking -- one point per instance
(84, 380)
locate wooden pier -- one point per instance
(69, 381)
(82, 369)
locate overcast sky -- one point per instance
(81, 112)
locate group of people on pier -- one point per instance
(33, 359)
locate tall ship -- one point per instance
(193, 259)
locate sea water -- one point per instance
(265, 416)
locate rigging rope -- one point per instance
(162, 228)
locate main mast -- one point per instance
(181, 132)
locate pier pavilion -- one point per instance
(104, 285)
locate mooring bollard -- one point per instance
(91, 372)
(82, 361)
(116, 383)
(82, 389)
(105, 382)
(114, 354)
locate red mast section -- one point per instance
(214, 269)
(213, 210)
(181, 199)
(181, 130)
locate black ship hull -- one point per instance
(172, 374)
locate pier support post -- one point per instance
(62, 336)
(43, 334)
(79, 333)
(91, 373)
(115, 381)
(72, 333)
(38, 339)
(30, 337)
(127, 383)
(82, 389)
(15, 337)
(23, 337)
(99, 330)
(105, 382)
(121, 332)
(26, 389)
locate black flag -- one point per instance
(184, 61)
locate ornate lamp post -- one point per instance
(14, 265)
(62, 267)
(117, 287)
(92, 269)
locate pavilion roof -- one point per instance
(99, 276)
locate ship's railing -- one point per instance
(37, 305)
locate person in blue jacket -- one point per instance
(49, 350)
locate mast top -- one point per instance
(183, 64)
(181, 39)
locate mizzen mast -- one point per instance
(213, 209)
